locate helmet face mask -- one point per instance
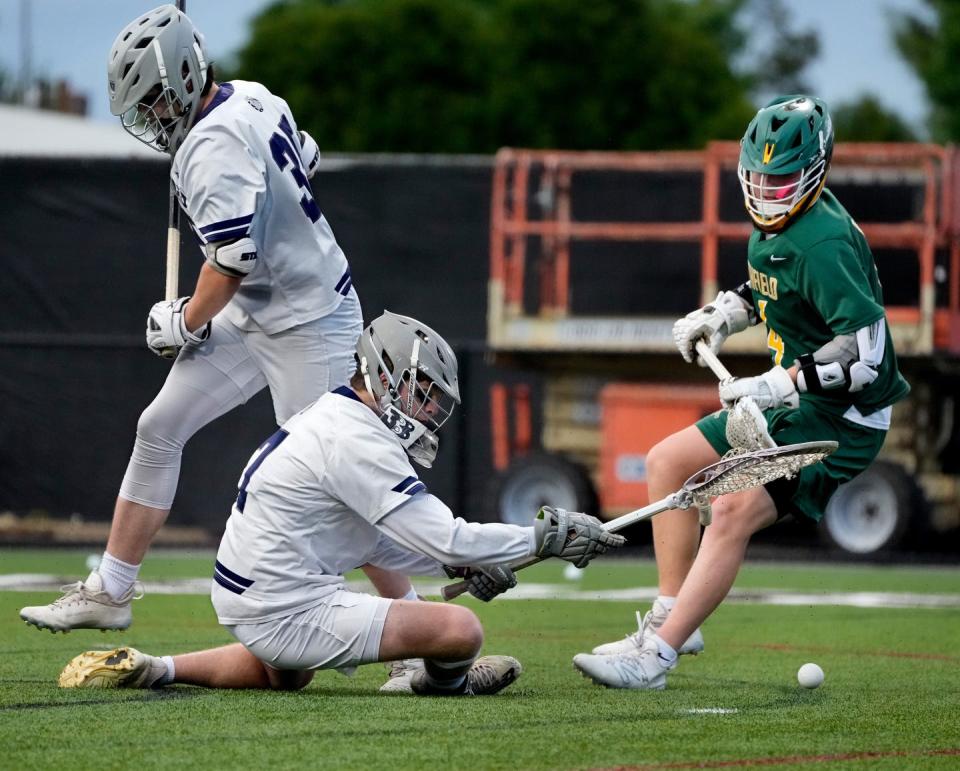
(425, 401)
(784, 158)
(156, 74)
(154, 119)
(412, 374)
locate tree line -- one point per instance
(469, 76)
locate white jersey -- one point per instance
(239, 173)
(330, 491)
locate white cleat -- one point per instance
(487, 675)
(651, 622)
(84, 605)
(400, 673)
(119, 668)
(641, 670)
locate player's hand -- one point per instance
(772, 389)
(309, 153)
(485, 581)
(572, 536)
(714, 323)
(167, 330)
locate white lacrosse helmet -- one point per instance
(156, 73)
(408, 368)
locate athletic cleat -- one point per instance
(84, 605)
(119, 668)
(652, 621)
(640, 670)
(487, 675)
(400, 673)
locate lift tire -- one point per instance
(873, 513)
(541, 479)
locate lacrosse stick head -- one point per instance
(747, 427)
(735, 473)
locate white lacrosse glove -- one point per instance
(167, 331)
(774, 388)
(485, 581)
(309, 153)
(571, 536)
(725, 316)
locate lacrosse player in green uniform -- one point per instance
(813, 283)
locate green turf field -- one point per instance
(890, 700)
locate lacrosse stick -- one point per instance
(746, 426)
(172, 283)
(731, 474)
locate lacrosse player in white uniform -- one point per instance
(274, 303)
(333, 489)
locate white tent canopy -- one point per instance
(30, 132)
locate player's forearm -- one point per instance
(214, 290)
(426, 526)
(390, 555)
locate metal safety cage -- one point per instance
(533, 229)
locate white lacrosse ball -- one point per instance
(572, 573)
(810, 675)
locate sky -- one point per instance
(71, 38)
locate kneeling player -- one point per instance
(332, 490)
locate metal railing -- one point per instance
(920, 329)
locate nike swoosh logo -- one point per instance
(774, 258)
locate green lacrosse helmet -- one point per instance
(784, 157)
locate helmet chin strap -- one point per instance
(419, 442)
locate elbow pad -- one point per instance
(309, 154)
(232, 258)
(849, 362)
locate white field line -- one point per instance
(32, 582)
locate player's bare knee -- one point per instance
(731, 519)
(465, 630)
(662, 460)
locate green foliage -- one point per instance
(866, 120)
(384, 75)
(930, 43)
(472, 75)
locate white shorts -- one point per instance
(340, 633)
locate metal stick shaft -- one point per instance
(672, 501)
(716, 366)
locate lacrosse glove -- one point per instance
(571, 536)
(774, 388)
(484, 581)
(166, 329)
(714, 323)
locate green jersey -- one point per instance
(814, 281)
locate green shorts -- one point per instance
(809, 491)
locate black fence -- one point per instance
(82, 260)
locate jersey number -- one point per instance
(398, 424)
(774, 341)
(256, 459)
(283, 146)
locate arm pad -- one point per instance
(847, 361)
(232, 258)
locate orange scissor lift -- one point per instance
(613, 384)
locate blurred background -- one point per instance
(549, 183)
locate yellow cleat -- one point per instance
(118, 668)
